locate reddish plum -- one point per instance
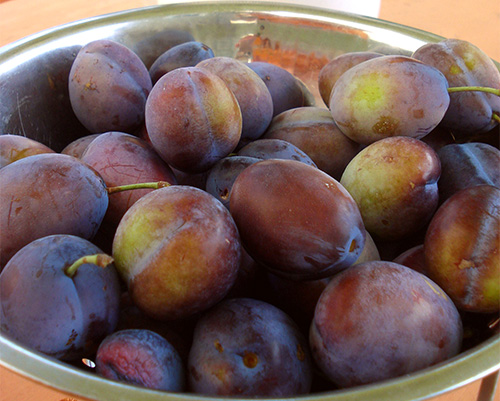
(123, 159)
(379, 320)
(253, 97)
(461, 248)
(312, 130)
(207, 129)
(141, 357)
(389, 96)
(296, 220)
(15, 147)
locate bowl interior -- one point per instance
(34, 71)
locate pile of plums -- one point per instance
(217, 233)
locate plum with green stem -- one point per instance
(59, 295)
(474, 82)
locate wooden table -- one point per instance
(477, 21)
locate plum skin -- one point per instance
(296, 220)
(221, 176)
(252, 94)
(313, 130)
(467, 164)
(15, 147)
(461, 248)
(464, 64)
(108, 87)
(207, 130)
(389, 96)
(395, 184)
(123, 159)
(186, 54)
(61, 316)
(332, 71)
(379, 320)
(65, 195)
(284, 88)
(178, 250)
(141, 357)
(248, 347)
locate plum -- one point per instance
(389, 96)
(150, 47)
(464, 64)
(248, 280)
(461, 248)
(123, 159)
(247, 347)
(253, 97)
(413, 258)
(467, 164)
(193, 119)
(178, 332)
(15, 147)
(298, 298)
(197, 180)
(178, 250)
(331, 71)
(286, 91)
(186, 54)
(379, 320)
(108, 87)
(312, 130)
(141, 357)
(221, 176)
(275, 149)
(295, 219)
(77, 147)
(439, 137)
(48, 194)
(394, 183)
(57, 307)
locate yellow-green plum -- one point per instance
(461, 248)
(332, 71)
(394, 183)
(178, 250)
(389, 96)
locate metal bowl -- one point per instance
(34, 102)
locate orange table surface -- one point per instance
(477, 21)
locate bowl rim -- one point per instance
(471, 365)
(209, 6)
(467, 367)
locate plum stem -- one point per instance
(474, 88)
(98, 259)
(140, 185)
(496, 117)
